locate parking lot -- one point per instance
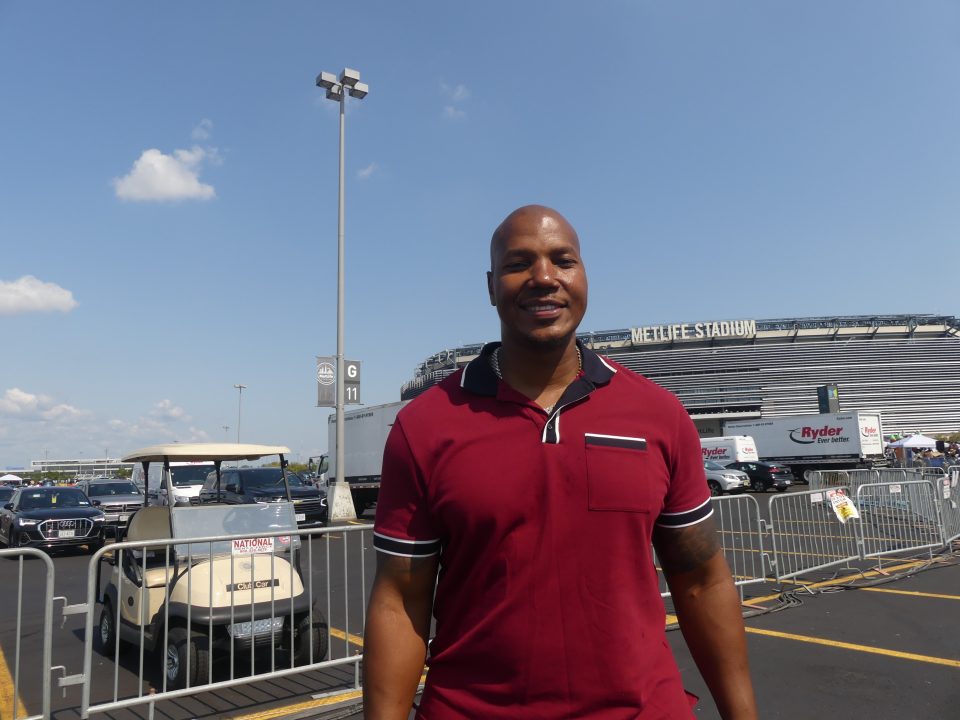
(871, 638)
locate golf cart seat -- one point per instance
(153, 523)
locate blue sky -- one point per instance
(168, 178)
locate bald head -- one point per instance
(530, 220)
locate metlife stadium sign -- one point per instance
(694, 331)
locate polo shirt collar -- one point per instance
(478, 376)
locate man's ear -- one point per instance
(493, 300)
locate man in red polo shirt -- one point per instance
(529, 487)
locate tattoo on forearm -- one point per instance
(685, 549)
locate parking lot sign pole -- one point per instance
(337, 89)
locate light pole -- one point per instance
(349, 80)
(226, 430)
(240, 388)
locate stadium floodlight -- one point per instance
(348, 80)
(349, 77)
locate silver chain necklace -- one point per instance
(495, 364)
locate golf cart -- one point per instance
(197, 600)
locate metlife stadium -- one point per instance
(906, 367)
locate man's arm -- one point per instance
(397, 630)
(708, 609)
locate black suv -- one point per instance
(51, 517)
(249, 485)
(118, 498)
(764, 476)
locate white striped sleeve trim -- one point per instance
(405, 548)
(687, 517)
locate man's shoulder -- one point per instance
(435, 401)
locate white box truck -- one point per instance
(728, 449)
(365, 433)
(834, 441)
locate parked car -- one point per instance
(764, 476)
(187, 480)
(118, 498)
(51, 517)
(240, 486)
(192, 601)
(722, 480)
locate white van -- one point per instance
(728, 449)
(187, 477)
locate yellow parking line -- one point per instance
(307, 705)
(859, 648)
(341, 635)
(7, 691)
(914, 593)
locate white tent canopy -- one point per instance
(10, 477)
(915, 441)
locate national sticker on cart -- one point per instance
(252, 546)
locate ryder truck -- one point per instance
(834, 441)
(365, 433)
(735, 448)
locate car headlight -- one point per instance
(732, 477)
(98, 519)
(26, 522)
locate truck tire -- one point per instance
(180, 646)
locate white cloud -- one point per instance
(156, 176)
(456, 95)
(18, 404)
(28, 294)
(166, 410)
(364, 173)
(202, 130)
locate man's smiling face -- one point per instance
(537, 280)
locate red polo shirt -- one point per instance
(547, 603)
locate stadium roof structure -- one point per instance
(907, 367)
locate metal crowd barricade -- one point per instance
(898, 517)
(741, 537)
(11, 702)
(740, 531)
(827, 479)
(949, 496)
(807, 535)
(331, 595)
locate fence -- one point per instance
(40, 667)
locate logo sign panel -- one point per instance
(252, 546)
(327, 382)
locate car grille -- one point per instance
(313, 505)
(120, 507)
(50, 529)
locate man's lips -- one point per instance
(542, 308)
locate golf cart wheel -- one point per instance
(307, 637)
(756, 484)
(715, 489)
(182, 645)
(782, 488)
(106, 632)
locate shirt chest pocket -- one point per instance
(617, 473)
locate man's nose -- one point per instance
(543, 272)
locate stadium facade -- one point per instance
(906, 367)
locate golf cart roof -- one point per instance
(204, 451)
